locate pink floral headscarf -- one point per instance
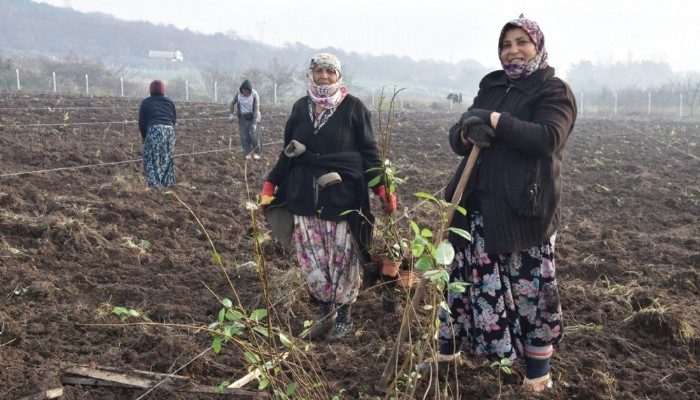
(521, 69)
(327, 96)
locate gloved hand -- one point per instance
(476, 131)
(484, 115)
(268, 193)
(230, 117)
(390, 203)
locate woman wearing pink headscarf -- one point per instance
(521, 119)
(321, 174)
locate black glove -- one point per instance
(475, 130)
(484, 115)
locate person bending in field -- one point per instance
(157, 119)
(520, 120)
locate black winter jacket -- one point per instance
(156, 110)
(344, 144)
(516, 183)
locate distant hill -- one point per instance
(27, 27)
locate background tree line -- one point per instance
(40, 40)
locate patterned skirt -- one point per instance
(158, 153)
(327, 253)
(511, 303)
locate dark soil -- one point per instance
(72, 226)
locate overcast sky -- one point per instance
(601, 31)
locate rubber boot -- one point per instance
(323, 323)
(343, 323)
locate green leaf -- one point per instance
(217, 257)
(445, 253)
(426, 196)
(285, 341)
(458, 287)
(252, 358)
(461, 232)
(227, 303)
(258, 314)
(263, 383)
(232, 330)
(262, 331)
(290, 389)
(426, 233)
(237, 315)
(415, 228)
(374, 182)
(417, 248)
(216, 343)
(424, 264)
(222, 314)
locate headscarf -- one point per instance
(521, 69)
(157, 87)
(327, 96)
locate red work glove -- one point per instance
(390, 203)
(268, 193)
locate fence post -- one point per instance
(121, 83)
(54, 82)
(275, 93)
(187, 90)
(18, 86)
(615, 103)
(680, 113)
(649, 104)
(216, 95)
(581, 103)
(87, 85)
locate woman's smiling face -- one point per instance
(517, 45)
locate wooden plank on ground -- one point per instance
(117, 377)
(108, 376)
(251, 375)
(46, 394)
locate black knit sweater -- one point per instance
(516, 183)
(344, 144)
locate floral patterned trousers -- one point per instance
(158, 153)
(511, 303)
(327, 253)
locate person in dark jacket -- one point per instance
(246, 107)
(521, 119)
(157, 119)
(323, 171)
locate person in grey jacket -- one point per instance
(246, 107)
(521, 119)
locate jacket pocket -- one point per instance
(341, 195)
(524, 193)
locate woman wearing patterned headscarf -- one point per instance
(521, 119)
(321, 173)
(157, 119)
